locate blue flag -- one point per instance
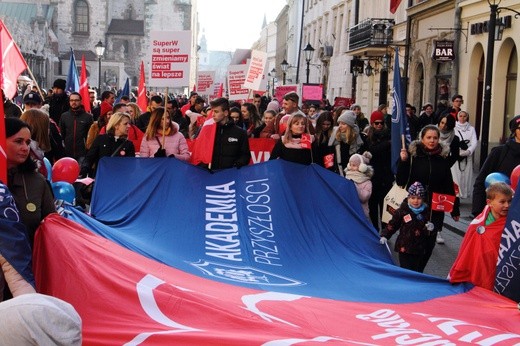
(507, 280)
(125, 91)
(72, 76)
(399, 123)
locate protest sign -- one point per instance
(170, 56)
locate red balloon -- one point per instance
(65, 169)
(515, 175)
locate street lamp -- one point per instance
(309, 51)
(369, 69)
(100, 50)
(273, 74)
(285, 67)
(488, 78)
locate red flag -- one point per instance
(13, 62)
(394, 4)
(203, 145)
(142, 100)
(220, 90)
(442, 202)
(83, 86)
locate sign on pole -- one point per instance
(281, 90)
(205, 80)
(312, 92)
(236, 80)
(443, 51)
(255, 73)
(170, 56)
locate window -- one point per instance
(509, 105)
(81, 17)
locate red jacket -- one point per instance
(478, 254)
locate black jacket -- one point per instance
(58, 104)
(432, 171)
(379, 146)
(106, 145)
(413, 236)
(302, 156)
(142, 121)
(74, 126)
(502, 159)
(231, 147)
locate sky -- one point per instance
(232, 24)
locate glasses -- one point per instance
(457, 100)
(378, 123)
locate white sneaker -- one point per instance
(440, 239)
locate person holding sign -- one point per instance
(478, 254)
(163, 139)
(427, 161)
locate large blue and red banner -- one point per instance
(269, 254)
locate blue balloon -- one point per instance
(48, 167)
(63, 190)
(496, 177)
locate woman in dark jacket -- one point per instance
(113, 143)
(293, 146)
(427, 161)
(379, 146)
(31, 192)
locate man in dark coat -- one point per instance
(59, 101)
(231, 148)
(74, 126)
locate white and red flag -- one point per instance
(83, 86)
(13, 63)
(142, 100)
(442, 202)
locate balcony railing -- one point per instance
(373, 32)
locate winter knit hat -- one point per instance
(377, 116)
(416, 189)
(105, 108)
(273, 106)
(348, 117)
(359, 160)
(59, 83)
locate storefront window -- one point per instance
(443, 78)
(510, 92)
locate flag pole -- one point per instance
(164, 121)
(37, 86)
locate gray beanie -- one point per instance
(348, 117)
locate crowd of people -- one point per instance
(343, 140)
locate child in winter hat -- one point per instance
(360, 173)
(416, 189)
(411, 220)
